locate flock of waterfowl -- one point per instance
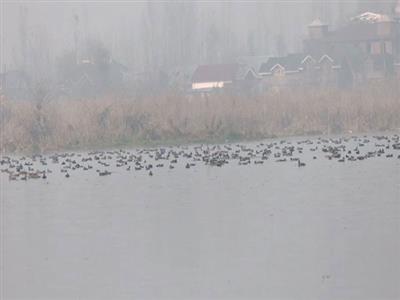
(105, 163)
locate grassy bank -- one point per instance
(176, 118)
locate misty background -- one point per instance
(39, 38)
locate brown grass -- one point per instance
(93, 123)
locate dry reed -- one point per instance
(173, 117)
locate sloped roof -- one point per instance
(243, 72)
(370, 17)
(217, 72)
(319, 54)
(294, 62)
(291, 62)
(181, 74)
(253, 62)
(332, 57)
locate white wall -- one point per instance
(209, 85)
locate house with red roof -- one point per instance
(222, 76)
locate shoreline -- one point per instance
(213, 141)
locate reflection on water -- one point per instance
(272, 230)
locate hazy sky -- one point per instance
(136, 31)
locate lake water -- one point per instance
(328, 230)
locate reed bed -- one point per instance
(36, 127)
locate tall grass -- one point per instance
(174, 117)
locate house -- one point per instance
(208, 77)
(367, 48)
(87, 78)
(279, 72)
(301, 69)
(364, 49)
(331, 71)
(180, 78)
(217, 76)
(253, 62)
(370, 33)
(369, 43)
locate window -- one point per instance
(376, 48)
(388, 47)
(368, 47)
(378, 65)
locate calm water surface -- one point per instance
(274, 231)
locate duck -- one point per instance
(300, 164)
(104, 173)
(34, 175)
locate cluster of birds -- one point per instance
(340, 149)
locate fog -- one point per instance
(148, 36)
(144, 62)
(200, 149)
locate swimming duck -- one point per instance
(300, 164)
